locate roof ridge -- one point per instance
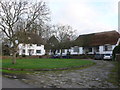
(98, 33)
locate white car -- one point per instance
(107, 56)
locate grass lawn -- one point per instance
(44, 63)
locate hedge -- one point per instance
(116, 50)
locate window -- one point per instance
(63, 51)
(38, 51)
(107, 48)
(30, 51)
(23, 51)
(89, 49)
(58, 51)
(97, 49)
(76, 49)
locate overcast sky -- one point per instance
(87, 16)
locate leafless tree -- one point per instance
(64, 34)
(20, 16)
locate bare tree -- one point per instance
(64, 34)
(20, 16)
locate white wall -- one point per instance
(65, 52)
(101, 50)
(75, 53)
(26, 47)
(35, 47)
(80, 50)
(72, 51)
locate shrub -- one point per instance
(23, 55)
(83, 56)
(17, 54)
(116, 50)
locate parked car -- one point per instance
(98, 56)
(59, 56)
(55, 56)
(107, 56)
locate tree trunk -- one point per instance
(61, 53)
(14, 58)
(47, 53)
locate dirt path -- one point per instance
(92, 77)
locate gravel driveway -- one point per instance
(93, 77)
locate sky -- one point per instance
(85, 16)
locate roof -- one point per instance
(31, 38)
(96, 39)
(53, 40)
(51, 43)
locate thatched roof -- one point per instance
(96, 39)
(53, 40)
(51, 43)
(31, 38)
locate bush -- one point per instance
(23, 55)
(17, 54)
(116, 50)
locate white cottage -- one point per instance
(101, 43)
(34, 45)
(95, 43)
(31, 49)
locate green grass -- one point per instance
(15, 72)
(44, 63)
